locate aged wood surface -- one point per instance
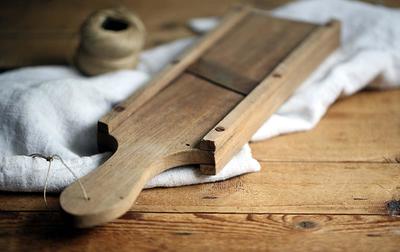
(308, 188)
(293, 205)
(169, 140)
(360, 133)
(188, 232)
(365, 128)
(110, 121)
(292, 186)
(234, 62)
(160, 135)
(241, 123)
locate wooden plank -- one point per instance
(380, 178)
(110, 121)
(318, 188)
(26, 231)
(146, 143)
(378, 106)
(362, 128)
(327, 188)
(149, 144)
(202, 232)
(234, 61)
(242, 122)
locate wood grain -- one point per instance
(244, 120)
(375, 137)
(364, 187)
(287, 188)
(188, 232)
(149, 144)
(308, 188)
(112, 120)
(191, 106)
(234, 62)
(362, 128)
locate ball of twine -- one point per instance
(111, 39)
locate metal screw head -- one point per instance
(219, 128)
(119, 108)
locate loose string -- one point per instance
(50, 160)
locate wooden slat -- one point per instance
(110, 121)
(234, 62)
(244, 120)
(203, 232)
(287, 188)
(362, 128)
(328, 188)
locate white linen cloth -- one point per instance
(54, 110)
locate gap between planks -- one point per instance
(328, 188)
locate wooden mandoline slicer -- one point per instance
(201, 109)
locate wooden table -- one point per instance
(325, 190)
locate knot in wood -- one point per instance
(306, 225)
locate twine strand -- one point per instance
(50, 160)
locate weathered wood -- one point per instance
(243, 121)
(365, 188)
(113, 119)
(286, 188)
(308, 188)
(362, 128)
(201, 232)
(149, 144)
(362, 119)
(166, 21)
(146, 143)
(235, 63)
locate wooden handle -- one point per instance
(149, 144)
(111, 192)
(113, 187)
